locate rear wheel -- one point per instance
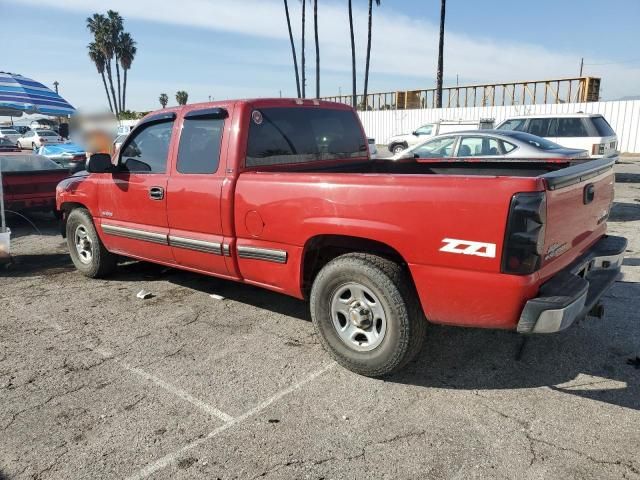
(397, 148)
(366, 313)
(88, 253)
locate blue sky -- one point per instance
(232, 49)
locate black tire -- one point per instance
(102, 262)
(397, 148)
(406, 324)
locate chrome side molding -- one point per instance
(134, 234)
(267, 254)
(197, 245)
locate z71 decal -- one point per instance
(468, 247)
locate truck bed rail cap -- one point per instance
(577, 173)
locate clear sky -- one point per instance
(234, 49)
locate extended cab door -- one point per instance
(194, 192)
(132, 200)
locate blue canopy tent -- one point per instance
(20, 95)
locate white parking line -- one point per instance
(172, 457)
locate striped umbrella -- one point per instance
(20, 94)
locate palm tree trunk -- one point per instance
(366, 68)
(315, 25)
(124, 91)
(106, 90)
(293, 47)
(304, 74)
(118, 78)
(353, 59)
(113, 92)
(440, 56)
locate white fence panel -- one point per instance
(624, 117)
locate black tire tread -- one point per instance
(395, 280)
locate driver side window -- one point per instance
(424, 130)
(148, 149)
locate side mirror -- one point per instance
(99, 163)
(415, 133)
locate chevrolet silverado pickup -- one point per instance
(283, 194)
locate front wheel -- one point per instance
(366, 313)
(398, 148)
(89, 255)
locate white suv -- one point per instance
(586, 131)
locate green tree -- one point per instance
(126, 52)
(293, 47)
(366, 68)
(96, 56)
(116, 29)
(182, 97)
(100, 27)
(439, 72)
(164, 99)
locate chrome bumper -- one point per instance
(574, 291)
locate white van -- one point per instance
(398, 143)
(586, 131)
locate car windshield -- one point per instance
(279, 136)
(27, 163)
(533, 140)
(47, 133)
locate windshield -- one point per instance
(47, 133)
(27, 163)
(538, 142)
(285, 135)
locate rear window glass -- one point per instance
(542, 127)
(27, 163)
(47, 133)
(538, 142)
(280, 136)
(515, 124)
(603, 127)
(199, 150)
(571, 127)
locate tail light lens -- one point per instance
(598, 149)
(524, 238)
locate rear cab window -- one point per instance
(298, 135)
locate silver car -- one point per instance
(492, 145)
(37, 138)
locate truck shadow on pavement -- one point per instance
(595, 359)
(625, 212)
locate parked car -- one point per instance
(7, 145)
(37, 138)
(288, 199)
(397, 143)
(10, 134)
(586, 131)
(29, 181)
(68, 155)
(498, 145)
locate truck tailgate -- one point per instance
(578, 202)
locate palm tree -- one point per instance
(315, 26)
(440, 56)
(115, 31)
(366, 68)
(304, 75)
(99, 26)
(126, 52)
(95, 54)
(164, 99)
(182, 97)
(293, 47)
(353, 58)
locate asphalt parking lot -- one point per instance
(96, 383)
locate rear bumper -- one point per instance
(574, 291)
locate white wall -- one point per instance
(624, 117)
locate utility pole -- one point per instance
(581, 65)
(55, 85)
(439, 73)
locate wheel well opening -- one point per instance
(322, 249)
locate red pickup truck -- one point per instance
(283, 194)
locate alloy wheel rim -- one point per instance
(83, 244)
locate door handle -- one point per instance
(156, 193)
